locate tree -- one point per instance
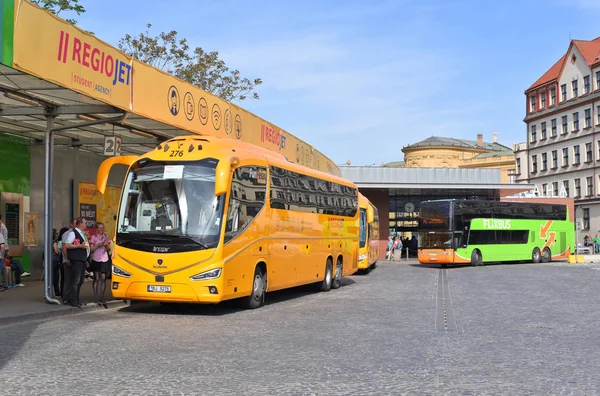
(168, 52)
(57, 6)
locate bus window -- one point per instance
(246, 199)
(363, 228)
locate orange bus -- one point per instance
(204, 220)
(368, 245)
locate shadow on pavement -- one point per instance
(225, 307)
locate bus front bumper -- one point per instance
(202, 292)
(436, 256)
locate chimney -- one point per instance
(479, 140)
(495, 137)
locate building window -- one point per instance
(553, 132)
(588, 118)
(563, 92)
(545, 189)
(565, 124)
(575, 121)
(576, 157)
(588, 152)
(552, 96)
(532, 104)
(554, 159)
(534, 164)
(543, 131)
(574, 87)
(519, 163)
(598, 143)
(577, 188)
(590, 186)
(512, 176)
(555, 189)
(565, 157)
(598, 80)
(566, 187)
(543, 100)
(598, 112)
(544, 161)
(533, 133)
(586, 84)
(586, 218)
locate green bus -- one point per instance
(477, 232)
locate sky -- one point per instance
(359, 80)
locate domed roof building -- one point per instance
(444, 152)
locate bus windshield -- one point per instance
(434, 225)
(173, 203)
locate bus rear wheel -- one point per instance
(325, 286)
(546, 255)
(257, 298)
(476, 258)
(337, 280)
(536, 256)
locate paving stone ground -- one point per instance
(519, 329)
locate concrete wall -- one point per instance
(71, 166)
(380, 198)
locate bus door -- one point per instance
(245, 227)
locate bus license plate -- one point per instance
(159, 289)
(432, 258)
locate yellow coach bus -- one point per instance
(368, 241)
(204, 220)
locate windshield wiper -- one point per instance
(195, 241)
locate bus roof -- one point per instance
(211, 146)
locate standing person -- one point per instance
(66, 291)
(58, 274)
(597, 244)
(4, 233)
(78, 250)
(389, 248)
(399, 246)
(100, 263)
(5, 271)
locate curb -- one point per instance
(68, 310)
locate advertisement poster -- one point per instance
(96, 207)
(31, 227)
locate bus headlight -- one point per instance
(212, 274)
(119, 272)
(362, 257)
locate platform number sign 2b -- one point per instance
(112, 145)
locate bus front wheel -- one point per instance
(257, 298)
(476, 258)
(536, 256)
(546, 255)
(325, 286)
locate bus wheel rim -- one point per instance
(257, 286)
(338, 271)
(328, 275)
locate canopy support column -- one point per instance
(48, 209)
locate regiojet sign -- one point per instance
(90, 56)
(71, 58)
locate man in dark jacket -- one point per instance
(78, 251)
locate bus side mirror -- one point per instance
(223, 174)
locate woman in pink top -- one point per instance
(100, 263)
